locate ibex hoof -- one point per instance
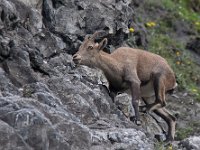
(137, 122)
(143, 109)
(160, 137)
(169, 140)
(164, 138)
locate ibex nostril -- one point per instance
(76, 58)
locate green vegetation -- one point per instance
(183, 133)
(192, 128)
(160, 146)
(181, 8)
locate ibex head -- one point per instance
(89, 49)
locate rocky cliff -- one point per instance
(48, 103)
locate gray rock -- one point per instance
(32, 3)
(19, 71)
(69, 18)
(7, 88)
(40, 131)
(191, 143)
(10, 139)
(123, 101)
(194, 45)
(122, 139)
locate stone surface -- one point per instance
(191, 143)
(71, 18)
(194, 44)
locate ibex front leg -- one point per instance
(135, 93)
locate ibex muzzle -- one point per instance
(77, 59)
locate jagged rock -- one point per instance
(4, 48)
(151, 123)
(120, 138)
(48, 44)
(10, 139)
(41, 127)
(194, 44)
(191, 143)
(123, 101)
(18, 68)
(72, 18)
(7, 88)
(33, 3)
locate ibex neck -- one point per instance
(104, 61)
(107, 64)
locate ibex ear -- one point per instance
(103, 44)
(87, 37)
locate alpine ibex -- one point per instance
(142, 73)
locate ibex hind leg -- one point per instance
(159, 89)
(168, 118)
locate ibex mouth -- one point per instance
(77, 59)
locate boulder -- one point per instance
(191, 143)
(194, 45)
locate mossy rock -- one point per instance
(194, 45)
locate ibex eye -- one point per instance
(90, 47)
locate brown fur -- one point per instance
(143, 73)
